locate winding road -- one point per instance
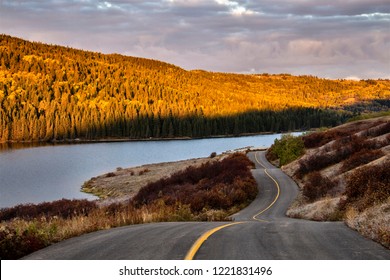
(260, 231)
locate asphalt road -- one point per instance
(260, 231)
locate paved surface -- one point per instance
(264, 233)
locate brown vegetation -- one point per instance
(370, 127)
(353, 146)
(63, 208)
(19, 237)
(215, 185)
(359, 158)
(210, 192)
(344, 174)
(317, 186)
(124, 183)
(367, 186)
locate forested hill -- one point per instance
(53, 93)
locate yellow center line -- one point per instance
(276, 197)
(198, 243)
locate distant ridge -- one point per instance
(50, 92)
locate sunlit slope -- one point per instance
(52, 92)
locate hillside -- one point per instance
(51, 93)
(344, 175)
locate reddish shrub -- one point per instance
(317, 186)
(217, 185)
(110, 174)
(64, 208)
(142, 172)
(379, 130)
(14, 245)
(343, 148)
(318, 139)
(367, 186)
(360, 158)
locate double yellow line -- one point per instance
(198, 243)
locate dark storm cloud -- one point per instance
(326, 38)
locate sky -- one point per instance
(348, 39)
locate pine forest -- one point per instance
(55, 93)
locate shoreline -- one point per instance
(123, 183)
(14, 144)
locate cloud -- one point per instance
(327, 38)
(236, 8)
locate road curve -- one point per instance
(260, 231)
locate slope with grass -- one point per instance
(344, 175)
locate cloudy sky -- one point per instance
(326, 38)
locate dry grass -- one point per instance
(19, 237)
(322, 210)
(374, 222)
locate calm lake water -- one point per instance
(48, 173)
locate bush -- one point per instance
(213, 155)
(318, 139)
(143, 171)
(317, 186)
(13, 245)
(360, 158)
(287, 149)
(343, 148)
(379, 130)
(367, 186)
(63, 208)
(216, 185)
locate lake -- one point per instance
(47, 173)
